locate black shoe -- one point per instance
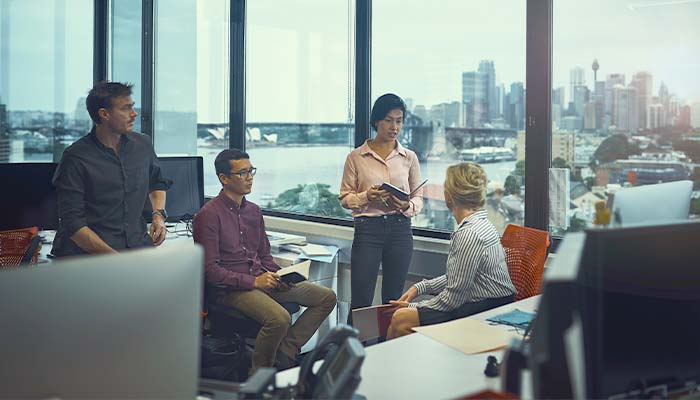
(283, 361)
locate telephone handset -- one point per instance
(339, 375)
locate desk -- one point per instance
(418, 367)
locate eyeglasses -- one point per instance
(242, 174)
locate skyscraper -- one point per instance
(610, 81)
(577, 77)
(642, 81)
(487, 68)
(656, 116)
(474, 99)
(625, 109)
(515, 106)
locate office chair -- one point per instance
(19, 247)
(526, 251)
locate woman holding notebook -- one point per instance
(476, 277)
(382, 220)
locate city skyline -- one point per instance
(444, 44)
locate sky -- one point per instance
(300, 54)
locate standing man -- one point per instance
(237, 256)
(104, 178)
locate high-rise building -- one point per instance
(581, 97)
(643, 81)
(448, 114)
(577, 77)
(421, 112)
(474, 99)
(4, 122)
(656, 116)
(515, 106)
(695, 115)
(590, 118)
(664, 96)
(487, 68)
(558, 97)
(625, 109)
(500, 98)
(610, 81)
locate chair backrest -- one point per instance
(18, 246)
(526, 251)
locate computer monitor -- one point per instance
(186, 195)
(630, 296)
(28, 196)
(663, 202)
(111, 326)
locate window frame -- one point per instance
(538, 83)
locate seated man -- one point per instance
(476, 277)
(237, 254)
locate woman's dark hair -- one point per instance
(383, 105)
(222, 164)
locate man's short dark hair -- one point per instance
(222, 164)
(383, 105)
(102, 95)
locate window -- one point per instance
(625, 101)
(192, 81)
(45, 74)
(125, 48)
(299, 102)
(461, 74)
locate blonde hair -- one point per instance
(465, 183)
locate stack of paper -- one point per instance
(468, 335)
(308, 249)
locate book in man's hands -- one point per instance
(373, 322)
(398, 193)
(295, 273)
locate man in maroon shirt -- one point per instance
(237, 254)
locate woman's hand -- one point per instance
(374, 194)
(397, 204)
(410, 294)
(398, 303)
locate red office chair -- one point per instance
(19, 247)
(526, 251)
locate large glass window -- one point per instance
(46, 50)
(299, 102)
(625, 101)
(125, 48)
(192, 81)
(461, 73)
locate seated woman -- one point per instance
(476, 277)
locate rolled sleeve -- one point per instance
(414, 179)
(156, 180)
(69, 181)
(349, 196)
(206, 233)
(264, 250)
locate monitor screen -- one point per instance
(663, 202)
(641, 306)
(112, 326)
(28, 198)
(186, 195)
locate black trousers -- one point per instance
(387, 240)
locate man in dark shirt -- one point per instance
(237, 255)
(104, 178)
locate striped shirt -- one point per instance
(476, 268)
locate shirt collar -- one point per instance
(123, 139)
(229, 203)
(365, 149)
(478, 214)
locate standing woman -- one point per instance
(382, 221)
